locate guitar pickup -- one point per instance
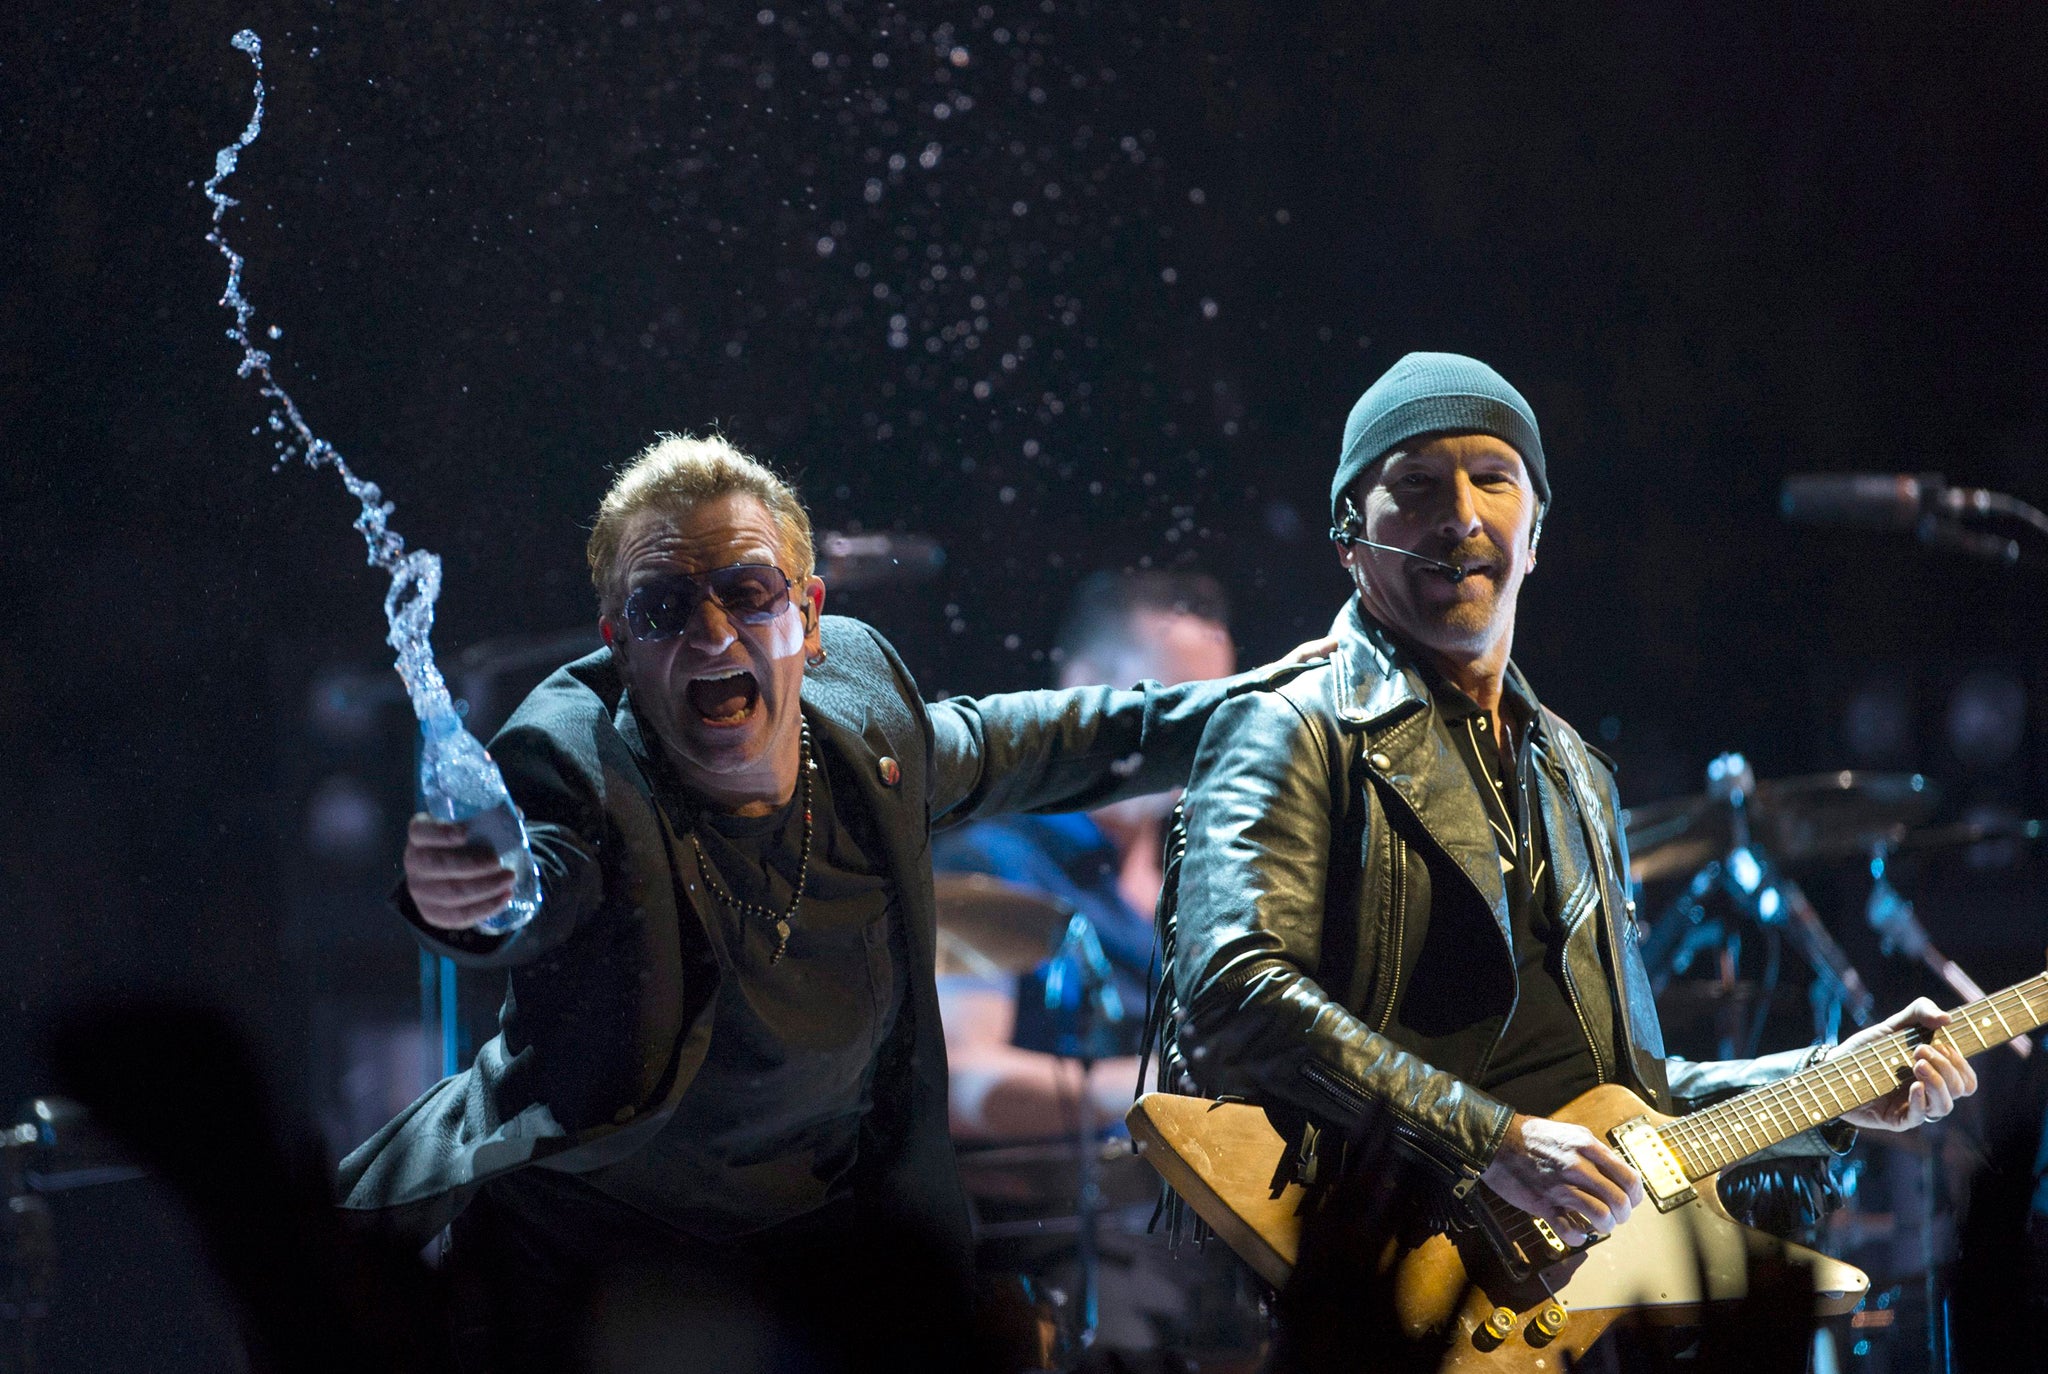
(1554, 1243)
(1663, 1175)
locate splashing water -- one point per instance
(458, 780)
(415, 576)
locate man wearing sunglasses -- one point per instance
(721, 1046)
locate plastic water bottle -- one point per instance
(460, 782)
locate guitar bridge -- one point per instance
(1521, 1245)
(1663, 1175)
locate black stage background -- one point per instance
(506, 244)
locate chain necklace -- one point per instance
(803, 868)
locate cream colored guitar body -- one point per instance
(1222, 1157)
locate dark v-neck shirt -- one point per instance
(1543, 1060)
(768, 1132)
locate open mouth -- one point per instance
(727, 698)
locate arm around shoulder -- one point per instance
(1075, 749)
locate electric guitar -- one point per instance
(1506, 1291)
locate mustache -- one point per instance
(1466, 553)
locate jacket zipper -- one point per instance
(1351, 1096)
(1397, 851)
(1571, 990)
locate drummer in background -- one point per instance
(1119, 629)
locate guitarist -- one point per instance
(1401, 894)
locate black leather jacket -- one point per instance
(1342, 937)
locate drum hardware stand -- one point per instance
(48, 1152)
(28, 1262)
(1752, 881)
(1078, 985)
(1893, 918)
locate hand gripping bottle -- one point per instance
(459, 782)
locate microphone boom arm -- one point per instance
(1346, 537)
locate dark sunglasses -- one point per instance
(751, 593)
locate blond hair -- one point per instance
(679, 472)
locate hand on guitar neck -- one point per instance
(1564, 1174)
(1570, 1178)
(1941, 1072)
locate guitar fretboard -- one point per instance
(1710, 1140)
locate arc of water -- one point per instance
(415, 575)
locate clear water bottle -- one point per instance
(460, 782)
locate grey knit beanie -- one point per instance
(1436, 393)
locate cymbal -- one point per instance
(1962, 834)
(1815, 816)
(1042, 1176)
(990, 928)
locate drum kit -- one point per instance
(1736, 841)
(1723, 856)
(1039, 1202)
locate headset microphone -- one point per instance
(1347, 535)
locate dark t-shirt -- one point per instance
(769, 1130)
(1543, 1060)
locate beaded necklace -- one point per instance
(803, 869)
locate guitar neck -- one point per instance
(1710, 1140)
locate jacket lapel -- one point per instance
(898, 811)
(1407, 751)
(855, 715)
(1572, 872)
